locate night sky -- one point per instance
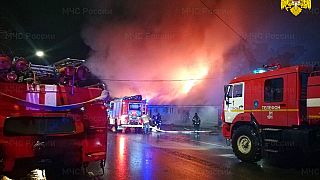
(159, 41)
(26, 26)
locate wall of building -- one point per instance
(182, 115)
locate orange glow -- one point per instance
(16, 107)
(122, 158)
(197, 72)
(121, 147)
(144, 58)
(188, 86)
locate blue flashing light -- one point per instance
(259, 70)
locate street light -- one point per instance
(40, 53)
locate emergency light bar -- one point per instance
(266, 68)
(272, 67)
(259, 70)
(136, 97)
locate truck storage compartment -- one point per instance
(313, 100)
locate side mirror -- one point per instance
(226, 94)
(226, 89)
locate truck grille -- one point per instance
(26, 126)
(134, 122)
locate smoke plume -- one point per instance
(179, 52)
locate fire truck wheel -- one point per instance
(245, 144)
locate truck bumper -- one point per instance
(131, 126)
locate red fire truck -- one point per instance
(126, 113)
(45, 116)
(276, 110)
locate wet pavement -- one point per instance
(186, 156)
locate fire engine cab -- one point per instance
(126, 112)
(275, 110)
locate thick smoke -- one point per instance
(181, 40)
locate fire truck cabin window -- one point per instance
(134, 106)
(273, 90)
(229, 92)
(237, 90)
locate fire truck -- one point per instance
(126, 112)
(274, 111)
(48, 114)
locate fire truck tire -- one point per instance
(246, 144)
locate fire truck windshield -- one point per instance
(24, 126)
(135, 107)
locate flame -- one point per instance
(188, 86)
(188, 78)
(195, 74)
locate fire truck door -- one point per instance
(274, 97)
(234, 101)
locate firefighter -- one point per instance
(196, 122)
(145, 120)
(153, 122)
(158, 121)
